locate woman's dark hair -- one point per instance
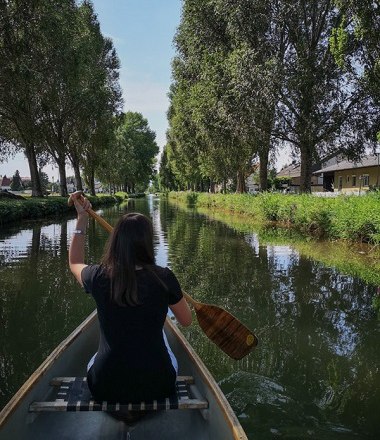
(130, 245)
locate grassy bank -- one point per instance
(344, 217)
(32, 208)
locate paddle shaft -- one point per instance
(226, 331)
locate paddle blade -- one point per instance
(226, 331)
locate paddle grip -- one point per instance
(94, 215)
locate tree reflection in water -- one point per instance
(315, 372)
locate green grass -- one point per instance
(343, 217)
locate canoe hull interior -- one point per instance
(70, 359)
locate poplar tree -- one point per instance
(22, 69)
(93, 131)
(131, 159)
(229, 68)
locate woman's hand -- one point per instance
(82, 204)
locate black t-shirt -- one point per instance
(132, 363)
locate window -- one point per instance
(353, 180)
(340, 183)
(365, 180)
(347, 179)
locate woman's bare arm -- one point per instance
(182, 312)
(76, 251)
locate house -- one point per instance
(98, 187)
(250, 184)
(349, 176)
(293, 174)
(5, 183)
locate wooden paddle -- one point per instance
(222, 328)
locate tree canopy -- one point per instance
(253, 77)
(60, 98)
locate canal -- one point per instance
(316, 371)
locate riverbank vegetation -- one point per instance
(345, 217)
(12, 210)
(356, 259)
(251, 78)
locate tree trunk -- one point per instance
(265, 148)
(78, 178)
(306, 165)
(240, 184)
(91, 181)
(212, 186)
(263, 155)
(62, 174)
(34, 176)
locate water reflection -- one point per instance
(315, 373)
(314, 324)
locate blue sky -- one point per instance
(142, 32)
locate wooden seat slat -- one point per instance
(72, 389)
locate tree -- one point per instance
(22, 70)
(16, 183)
(44, 178)
(200, 84)
(319, 108)
(63, 95)
(355, 43)
(59, 83)
(167, 178)
(100, 98)
(132, 159)
(229, 55)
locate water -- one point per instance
(315, 373)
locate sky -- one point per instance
(142, 32)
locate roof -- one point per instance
(293, 170)
(6, 181)
(367, 161)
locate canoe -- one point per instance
(70, 358)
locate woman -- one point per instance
(132, 294)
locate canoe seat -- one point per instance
(74, 395)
